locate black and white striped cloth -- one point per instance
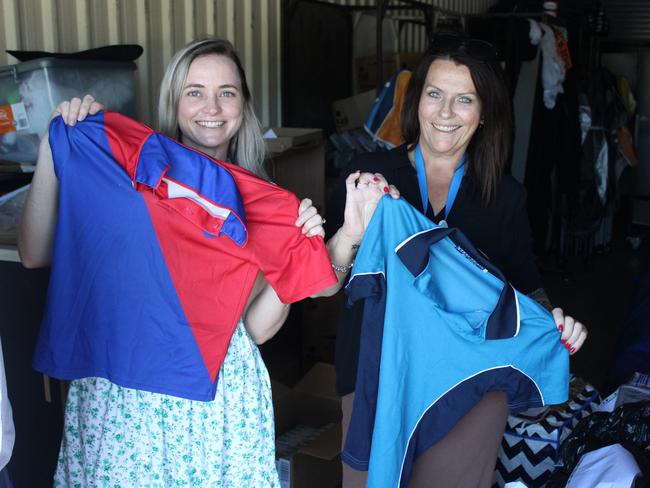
(529, 448)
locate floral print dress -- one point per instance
(121, 437)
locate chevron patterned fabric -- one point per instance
(530, 445)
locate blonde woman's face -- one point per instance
(210, 109)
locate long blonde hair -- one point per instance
(247, 148)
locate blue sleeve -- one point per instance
(370, 263)
(77, 142)
(368, 285)
(59, 144)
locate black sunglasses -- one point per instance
(454, 43)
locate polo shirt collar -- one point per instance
(414, 252)
(208, 193)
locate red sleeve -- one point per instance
(296, 266)
(126, 137)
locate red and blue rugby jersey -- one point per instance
(156, 250)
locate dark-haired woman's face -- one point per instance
(449, 111)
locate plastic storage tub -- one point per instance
(30, 91)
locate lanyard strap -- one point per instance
(422, 181)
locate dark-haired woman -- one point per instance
(457, 125)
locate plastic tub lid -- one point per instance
(57, 63)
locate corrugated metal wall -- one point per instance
(629, 20)
(162, 26)
(412, 37)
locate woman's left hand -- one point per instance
(574, 333)
(309, 219)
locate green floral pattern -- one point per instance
(120, 437)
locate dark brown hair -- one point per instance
(489, 149)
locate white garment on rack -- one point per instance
(7, 432)
(553, 69)
(535, 32)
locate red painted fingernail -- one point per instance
(563, 341)
(568, 346)
(560, 328)
(375, 179)
(573, 349)
(386, 189)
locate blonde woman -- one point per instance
(118, 434)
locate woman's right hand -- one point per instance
(363, 192)
(77, 109)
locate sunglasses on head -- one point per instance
(454, 43)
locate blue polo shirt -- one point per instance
(441, 327)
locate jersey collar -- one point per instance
(503, 322)
(196, 186)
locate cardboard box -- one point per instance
(301, 169)
(279, 139)
(316, 349)
(319, 316)
(318, 325)
(308, 430)
(351, 113)
(366, 68)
